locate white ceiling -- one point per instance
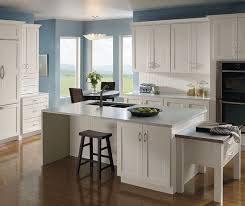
(85, 9)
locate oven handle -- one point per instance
(236, 103)
(235, 71)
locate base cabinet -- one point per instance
(8, 121)
(144, 155)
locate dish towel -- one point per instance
(227, 129)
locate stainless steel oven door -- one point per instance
(231, 112)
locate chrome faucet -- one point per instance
(101, 94)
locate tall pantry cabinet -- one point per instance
(10, 43)
(32, 102)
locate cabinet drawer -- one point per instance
(9, 123)
(29, 90)
(32, 112)
(9, 31)
(231, 148)
(29, 82)
(31, 125)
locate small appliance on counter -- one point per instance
(146, 88)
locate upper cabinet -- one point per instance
(241, 39)
(141, 48)
(180, 48)
(172, 47)
(225, 38)
(151, 48)
(30, 50)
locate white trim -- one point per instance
(172, 21)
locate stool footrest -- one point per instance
(103, 148)
(107, 166)
(106, 156)
(85, 162)
(86, 144)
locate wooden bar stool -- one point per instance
(100, 136)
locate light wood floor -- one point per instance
(23, 182)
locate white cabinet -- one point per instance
(31, 107)
(131, 150)
(190, 48)
(144, 153)
(151, 48)
(241, 39)
(157, 101)
(9, 72)
(225, 38)
(8, 121)
(30, 43)
(200, 48)
(161, 49)
(130, 99)
(180, 48)
(142, 43)
(156, 155)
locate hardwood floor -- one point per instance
(23, 182)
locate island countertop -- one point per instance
(169, 117)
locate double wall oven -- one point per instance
(231, 93)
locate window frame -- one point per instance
(78, 62)
(121, 61)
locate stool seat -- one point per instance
(95, 134)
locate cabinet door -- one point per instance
(225, 38)
(8, 72)
(161, 49)
(174, 103)
(156, 154)
(131, 150)
(153, 101)
(241, 40)
(133, 100)
(142, 48)
(8, 119)
(180, 48)
(200, 48)
(32, 50)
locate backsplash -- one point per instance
(171, 82)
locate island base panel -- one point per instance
(55, 137)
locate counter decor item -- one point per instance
(144, 111)
(94, 78)
(202, 89)
(191, 90)
(156, 90)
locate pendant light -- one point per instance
(94, 36)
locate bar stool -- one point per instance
(99, 136)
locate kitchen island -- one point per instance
(144, 149)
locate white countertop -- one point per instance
(169, 117)
(174, 96)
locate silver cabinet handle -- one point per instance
(140, 136)
(2, 72)
(1, 108)
(145, 136)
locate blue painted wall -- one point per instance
(181, 12)
(50, 33)
(115, 28)
(10, 14)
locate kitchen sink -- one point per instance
(112, 104)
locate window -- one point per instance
(126, 83)
(102, 58)
(69, 64)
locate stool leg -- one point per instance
(80, 154)
(110, 153)
(91, 152)
(99, 157)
